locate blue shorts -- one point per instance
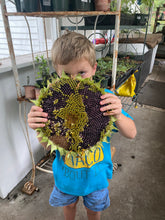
(95, 201)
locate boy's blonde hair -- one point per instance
(72, 46)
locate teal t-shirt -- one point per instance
(82, 176)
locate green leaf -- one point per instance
(44, 139)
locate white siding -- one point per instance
(20, 34)
(15, 160)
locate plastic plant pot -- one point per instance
(83, 5)
(18, 5)
(29, 91)
(102, 5)
(92, 5)
(141, 19)
(46, 5)
(104, 80)
(30, 5)
(61, 5)
(39, 83)
(37, 92)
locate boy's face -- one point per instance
(74, 68)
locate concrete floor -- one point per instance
(137, 190)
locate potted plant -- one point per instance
(125, 68)
(43, 74)
(132, 15)
(102, 5)
(127, 18)
(143, 17)
(101, 74)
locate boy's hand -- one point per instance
(36, 117)
(112, 104)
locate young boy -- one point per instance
(73, 53)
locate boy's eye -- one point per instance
(67, 74)
(82, 72)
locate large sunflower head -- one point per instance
(75, 122)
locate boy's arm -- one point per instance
(113, 107)
(126, 126)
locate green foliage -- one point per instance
(104, 66)
(148, 3)
(126, 5)
(158, 3)
(43, 73)
(145, 5)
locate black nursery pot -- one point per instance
(54, 75)
(18, 5)
(46, 5)
(27, 5)
(107, 20)
(39, 83)
(104, 81)
(141, 19)
(83, 5)
(31, 5)
(61, 5)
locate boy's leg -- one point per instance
(70, 211)
(68, 202)
(93, 215)
(96, 202)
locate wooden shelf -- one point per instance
(62, 13)
(23, 99)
